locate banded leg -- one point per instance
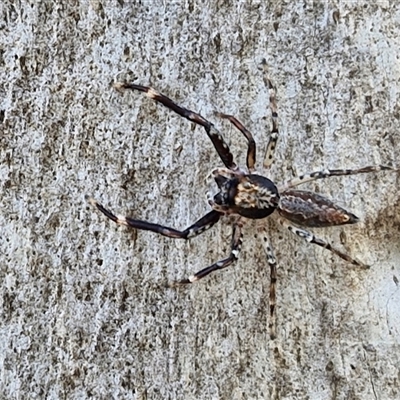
(236, 244)
(310, 238)
(273, 279)
(331, 172)
(269, 154)
(216, 138)
(197, 228)
(251, 144)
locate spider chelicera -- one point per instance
(243, 193)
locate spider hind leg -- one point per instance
(312, 176)
(311, 238)
(269, 252)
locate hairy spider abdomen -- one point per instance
(251, 196)
(313, 210)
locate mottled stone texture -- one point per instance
(85, 312)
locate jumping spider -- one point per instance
(243, 193)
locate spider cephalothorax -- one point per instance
(249, 195)
(245, 194)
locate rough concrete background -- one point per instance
(84, 308)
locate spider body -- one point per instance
(245, 194)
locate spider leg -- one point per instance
(273, 278)
(197, 228)
(236, 244)
(218, 141)
(309, 237)
(251, 146)
(269, 154)
(331, 172)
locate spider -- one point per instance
(245, 194)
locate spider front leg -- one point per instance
(197, 228)
(236, 244)
(251, 144)
(218, 141)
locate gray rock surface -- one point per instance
(85, 312)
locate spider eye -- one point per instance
(218, 199)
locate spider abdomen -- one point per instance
(313, 210)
